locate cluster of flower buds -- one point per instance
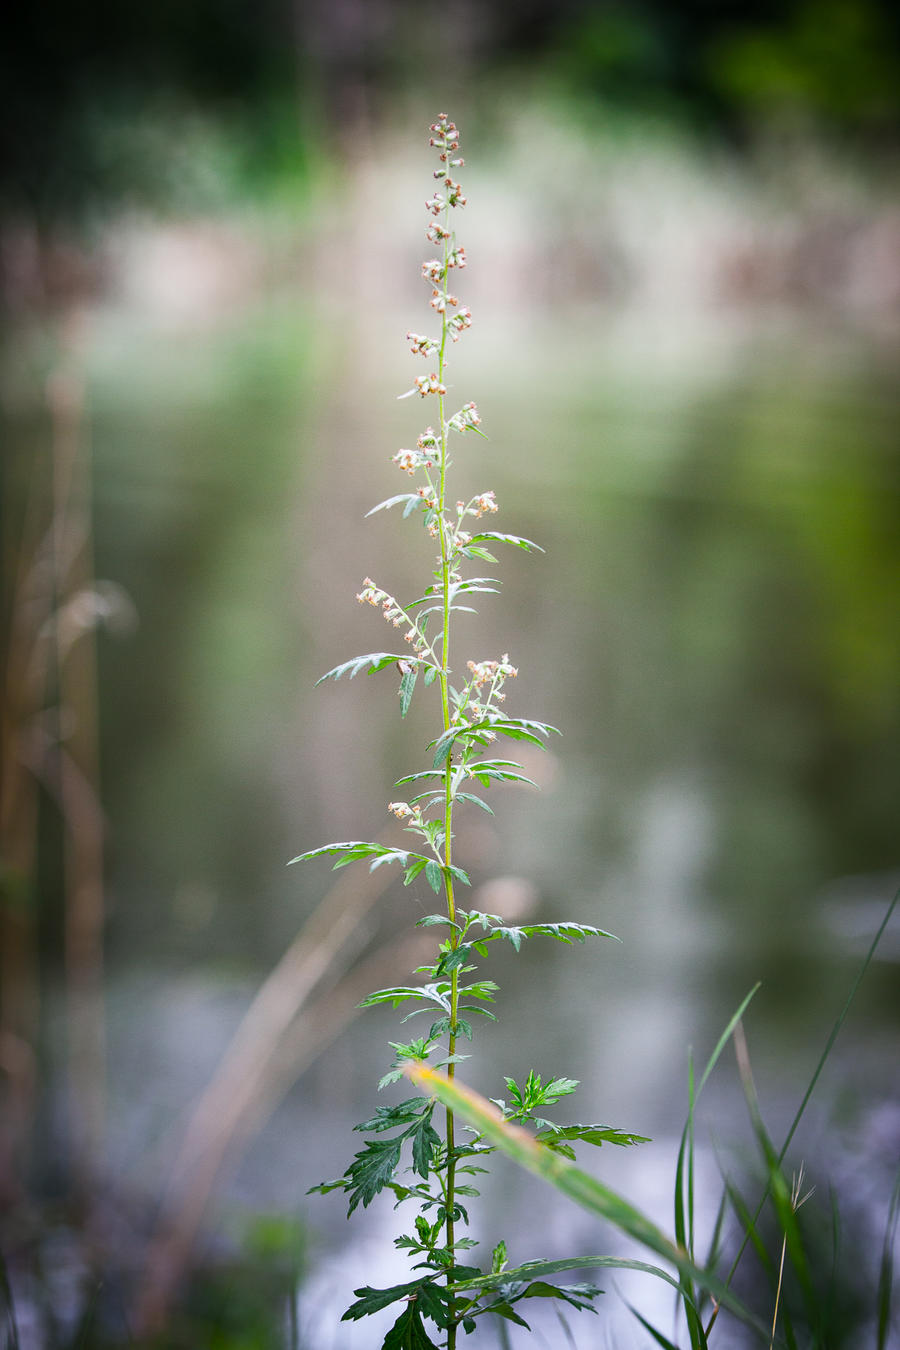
(454, 190)
(433, 270)
(392, 612)
(403, 810)
(436, 232)
(409, 460)
(428, 442)
(445, 137)
(485, 504)
(466, 418)
(420, 345)
(459, 323)
(374, 595)
(488, 672)
(440, 300)
(429, 384)
(457, 256)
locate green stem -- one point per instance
(448, 792)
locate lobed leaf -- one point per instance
(371, 662)
(369, 1300)
(499, 538)
(387, 1117)
(372, 1169)
(411, 500)
(590, 1134)
(429, 993)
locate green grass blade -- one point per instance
(684, 1174)
(777, 1186)
(823, 1059)
(653, 1331)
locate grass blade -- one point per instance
(817, 1072)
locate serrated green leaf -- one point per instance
(433, 920)
(353, 850)
(397, 994)
(592, 1134)
(412, 499)
(503, 770)
(387, 1117)
(407, 686)
(433, 876)
(372, 1169)
(514, 539)
(371, 662)
(578, 1295)
(369, 1300)
(408, 1333)
(498, 1258)
(453, 959)
(474, 551)
(425, 1139)
(505, 1310)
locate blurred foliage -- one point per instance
(104, 102)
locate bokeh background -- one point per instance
(684, 241)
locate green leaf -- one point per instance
(476, 801)
(433, 876)
(474, 551)
(352, 850)
(371, 1300)
(325, 1186)
(498, 1258)
(408, 1333)
(590, 1134)
(458, 874)
(506, 1310)
(407, 685)
(431, 672)
(372, 1169)
(503, 770)
(386, 1117)
(370, 663)
(413, 870)
(453, 959)
(425, 1139)
(412, 500)
(578, 1295)
(397, 994)
(514, 539)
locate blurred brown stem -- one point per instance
(268, 1052)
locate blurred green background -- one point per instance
(684, 241)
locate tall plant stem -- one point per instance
(448, 791)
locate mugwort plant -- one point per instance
(408, 1151)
